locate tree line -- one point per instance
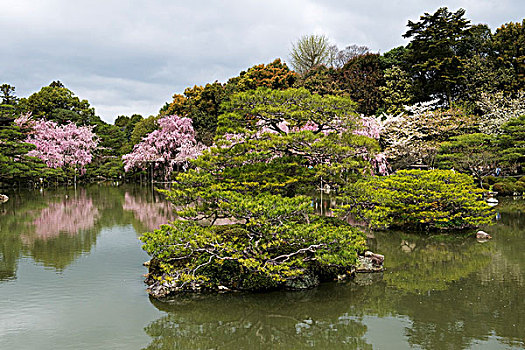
(473, 76)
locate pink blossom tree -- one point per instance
(60, 146)
(172, 144)
(371, 127)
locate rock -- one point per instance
(306, 281)
(370, 262)
(406, 249)
(3, 198)
(482, 235)
(492, 200)
(342, 277)
(377, 259)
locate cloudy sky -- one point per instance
(128, 56)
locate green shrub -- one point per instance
(520, 186)
(499, 187)
(505, 187)
(418, 199)
(491, 180)
(281, 245)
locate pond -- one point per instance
(71, 278)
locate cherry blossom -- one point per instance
(371, 127)
(69, 216)
(60, 145)
(173, 143)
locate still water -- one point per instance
(71, 278)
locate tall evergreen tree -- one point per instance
(434, 53)
(8, 101)
(509, 48)
(361, 78)
(57, 103)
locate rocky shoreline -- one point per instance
(162, 286)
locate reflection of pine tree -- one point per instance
(419, 264)
(311, 319)
(459, 292)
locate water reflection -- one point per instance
(55, 227)
(71, 216)
(422, 263)
(441, 292)
(296, 320)
(150, 211)
(438, 292)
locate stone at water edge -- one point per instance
(407, 247)
(370, 262)
(377, 259)
(483, 235)
(492, 201)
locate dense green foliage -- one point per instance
(509, 47)
(276, 246)
(57, 103)
(361, 78)
(470, 153)
(15, 165)
(432, 53)
(418, 199)
(320, 80)
(127, 125)
(8, 101)
(275, 146)
(481, 154)
(512, 144)
(397, 91)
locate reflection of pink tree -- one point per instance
(69, 216)
(60, 145)
(151, 215)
